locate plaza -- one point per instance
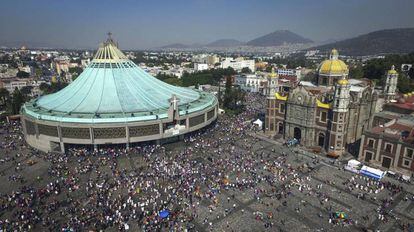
(226, 178)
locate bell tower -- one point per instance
(340, 108)
(390, 87)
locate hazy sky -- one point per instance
(152, 23)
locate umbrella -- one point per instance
(164, 213)
(341, 215)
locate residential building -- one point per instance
(238, 64)
(200, 67)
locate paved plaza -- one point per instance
(227, 178)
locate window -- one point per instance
(368, 156)
(371, 143)
(406, 163)
(282, 108)
(323, 116)
(388, 147)
(409, 153)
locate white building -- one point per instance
(200, 67)
(12, 84)
(251, 82)
(290, 72)
(205, 59)
(238, 64)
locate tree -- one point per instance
(38, 72)
(227, 93)
(269, 68)
(404, 84)
(4, 95)
(16, 102)
(233, 98)
(26, 91)
(411, 73)
(76, 70)
(44, 87)
(356, 72)
(246, 70)
(22, 74)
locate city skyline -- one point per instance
(137, 25)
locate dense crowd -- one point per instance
(89, 190)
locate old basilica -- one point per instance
(330, 112)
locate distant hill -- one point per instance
(225, 43)
(378, 42)
(278, 38)
(176, 45)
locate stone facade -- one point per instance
(331, 117)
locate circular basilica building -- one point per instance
(114, 101)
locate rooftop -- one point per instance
(113, 88)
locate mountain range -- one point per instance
(278, 38)
(400, 40)
(274, 39)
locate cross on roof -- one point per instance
(174, 101)
(110, 40)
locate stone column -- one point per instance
(377, 154)
(397, 155)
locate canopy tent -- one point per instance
(353, 162)
(341, 215)
(259, 123)
(353, 166)
(372, 172)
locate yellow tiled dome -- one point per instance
(343, 81)
(333, 65)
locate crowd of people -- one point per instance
(86, 189)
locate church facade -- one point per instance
(331, 113)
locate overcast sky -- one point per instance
(138, 24)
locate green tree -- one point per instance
(16, 102)
(4, 95)
(77, 70)
(22, 74)
(44, 87)
(411, 73)
(356, 72)
(26, 91)
(227, 93)
(38, 72)
(404, 84)
(246, 70)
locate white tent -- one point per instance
(259, 123)
(372, 172)
(353, 166)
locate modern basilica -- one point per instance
(112, 102)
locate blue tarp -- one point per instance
(164, 213)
